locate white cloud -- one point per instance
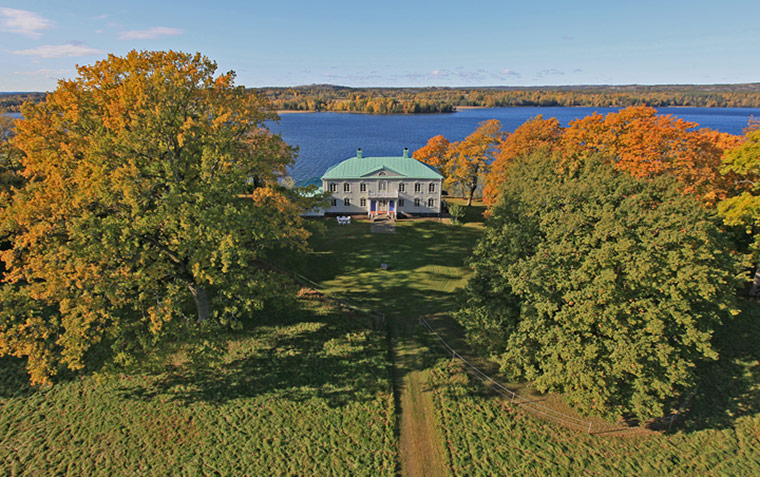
(23, 22)
(59, 51)
(508, 72)
(150, 33)
(46, 73)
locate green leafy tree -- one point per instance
(151, 201)
(585, 284)
(743, 209)
(457, 213)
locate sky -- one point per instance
(394, 43)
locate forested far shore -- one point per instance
(446, 100)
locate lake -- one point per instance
(325, 139)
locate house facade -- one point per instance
(383, 186)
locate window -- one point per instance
(347, 201)
(381, 173)
(332, 187)
(431, 188)
(334, 202)
(401, 187)
(362, 187)
(401, 202)
(417, 187)
(431, 202)
(363, 202)
(416, 202)
(382, 185)
(346, 187)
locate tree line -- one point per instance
(446, 100)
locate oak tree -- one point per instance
(743, 208)
(584, 284)
(467, 161)
(151, 201)
(645, 144)
(535, 134)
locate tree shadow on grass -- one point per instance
(14, 380)
(424, 256)
(730, 387)
(305, 356)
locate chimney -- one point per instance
(406, 152)
(359, 153)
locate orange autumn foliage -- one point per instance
(434, 152)
(646, 145)
(534, 134)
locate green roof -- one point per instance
(364, 167)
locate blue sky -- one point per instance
(394, 43)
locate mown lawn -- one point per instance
(307, 393)
(426, 258)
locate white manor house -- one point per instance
(383, 187)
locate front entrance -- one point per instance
(382, 207)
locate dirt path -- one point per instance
(420, 442)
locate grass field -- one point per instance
(308, 393)
(427, 260)
(719, 436)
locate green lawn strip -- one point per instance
(307, 393)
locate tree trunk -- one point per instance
(469, 198)
(754, 290)
(201, 302)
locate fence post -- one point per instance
(589, 427)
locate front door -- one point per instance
(383, 207)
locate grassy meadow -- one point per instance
(306, 393)
(719, 435)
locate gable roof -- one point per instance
(360, 167)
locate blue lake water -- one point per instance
(325, 139)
